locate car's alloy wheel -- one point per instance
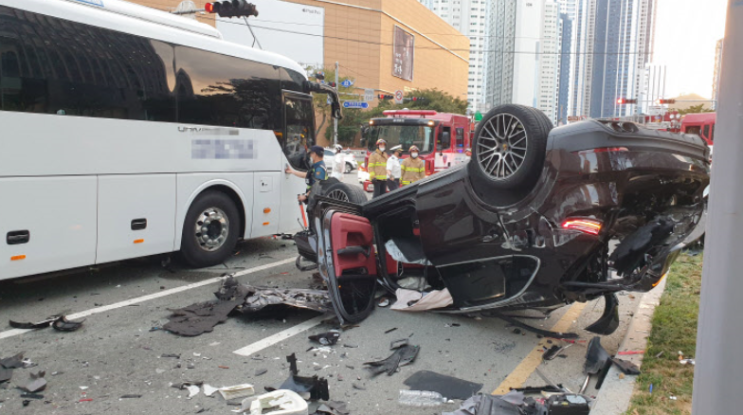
(502, 147)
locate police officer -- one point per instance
(315, 173)
(378, 168)
(413, 168)
(393, 168)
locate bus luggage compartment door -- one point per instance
(347, 260)
(136, 216)
(47, 224)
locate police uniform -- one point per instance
(315, 173)
(413, 169)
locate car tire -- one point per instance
(509, 147)
(217, 212)
(349, 168)
(345, 193)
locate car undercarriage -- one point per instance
(594, 208)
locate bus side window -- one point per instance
(460, 138)
(706, 133)
(299, 131)
(69, 68)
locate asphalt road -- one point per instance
(116, 353)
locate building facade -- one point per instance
(469, 17)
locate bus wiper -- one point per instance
(334, 98)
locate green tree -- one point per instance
(695, 109)
(320, 101)
(351, 124)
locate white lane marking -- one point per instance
(278, 337)
(165, 293)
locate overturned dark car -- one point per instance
(538, 218)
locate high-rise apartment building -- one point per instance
(501, 44)
(613, 43)
(469, 17)
(549, 50)
(525, 40)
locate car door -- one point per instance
(347, 260)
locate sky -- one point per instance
(685, 37)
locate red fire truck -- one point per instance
(441, 138)
(702, 124)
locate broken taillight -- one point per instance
(589, 226)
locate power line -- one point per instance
(434, 48)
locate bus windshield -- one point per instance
(407, 135)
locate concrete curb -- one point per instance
(615, 394)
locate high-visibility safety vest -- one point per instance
(413, 169)
(377, 166)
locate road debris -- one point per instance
(420, 398)
(132, 396)
(279, 402)
(396, 344)
(390, 330)
(332, 408)
(327, 339)
(260, 372)
(311, 388)
(403, 356)
(410, 300)
(200, 318)
(627, 367)
(597, 361)
(451, 387)
(32, 326)
(62, 324)
(237, 391)
(37, 383)
(209, 390)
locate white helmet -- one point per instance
(338, 148)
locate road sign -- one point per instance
(399, 97)
(355, 104)
(368, 95)
(346, 84)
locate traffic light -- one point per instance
(666, 101)
(232, 8)
(623, 101)
(383, 96)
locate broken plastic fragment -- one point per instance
(62, 324)
(37, 384)
(237, 391)
(193, 390)
(209, 390)
(32, 326)
(327, 339)
(279, 402)
(403, 356)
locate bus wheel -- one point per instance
(509, 148)
(210, 231)
(345, 193)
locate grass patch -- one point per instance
(674, 329)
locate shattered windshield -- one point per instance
(407, 135)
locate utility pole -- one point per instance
(720, 328)
(335, 120)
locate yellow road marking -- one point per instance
(521, 373)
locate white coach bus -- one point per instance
(127, 132)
